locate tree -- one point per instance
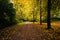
(10, 11)
(2, 16)
(48, 14)
(40, 14)
(7, 13)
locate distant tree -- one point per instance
(40, 14)
(35, 10)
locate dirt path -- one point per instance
(25, 32)
(29, 32)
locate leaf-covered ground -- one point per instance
(31, 31)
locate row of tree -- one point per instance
(8, 12)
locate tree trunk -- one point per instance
(48, 14)
(40, 14)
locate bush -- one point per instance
(55, 19)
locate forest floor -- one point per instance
(30, 31)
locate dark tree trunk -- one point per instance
(48, 14)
